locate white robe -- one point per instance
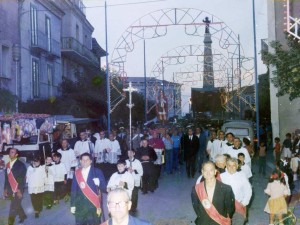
(115, 179)
(136, 165)
(35, 178)
(49, 180)
(59, 172)
(68, 158)
(240, 186)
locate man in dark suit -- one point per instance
(119, 204)
(15, 174)
(85, 193)
(202, 156)
(190, 145)
(212, 200)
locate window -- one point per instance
(35, 78)
(50, 79)
(48, 33)
(77, 32)
(33, 25)
(4, 61)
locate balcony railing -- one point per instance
(71, 44)
(79, 4)
(40, 41)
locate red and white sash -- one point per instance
(239, 208)
(87, 191)
(209, 207)
(11, 179)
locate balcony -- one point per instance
(40, 43)
(74, 50)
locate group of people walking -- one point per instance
(220, 196)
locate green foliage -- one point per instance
(7, 101)
(84, 97)
(286, 59)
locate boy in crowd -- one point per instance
(60, 178)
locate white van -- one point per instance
(240, 128)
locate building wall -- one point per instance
(48, 84)
(284, 114)
(8, 37)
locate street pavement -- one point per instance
(170, 204)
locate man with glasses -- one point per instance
(119, 204)
(85, 194)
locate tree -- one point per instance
(286, 59)
(7, 101)
(84, 97)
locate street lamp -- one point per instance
(255, 71)
(16, 54)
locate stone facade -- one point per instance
(285, 114)
(55, 40)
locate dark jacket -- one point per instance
(19, 172)
(190, 147)
(78, 199)
(223, 200)
(148, 151)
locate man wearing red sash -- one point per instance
(85, 194)
(212, 200)
(241, 188)
(14, 186)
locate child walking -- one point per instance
(277, 190)
(35, 178)
(262, 158)
(277, 149)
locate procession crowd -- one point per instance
(122, 166)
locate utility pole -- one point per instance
(130, 89)
(107, 73)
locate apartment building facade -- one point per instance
(42, 42)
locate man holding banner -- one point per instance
(14, 186)
(85, 194)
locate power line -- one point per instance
(129, 3)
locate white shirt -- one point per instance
(115, 179)
(49, 180)
(82, 147)
(85, 173)
(59, 172)
(137, 166)
(247, 170)
(212, 148)
(234, 154)
(69, 159)
(240, 186)
(35, 177)
(102, 144)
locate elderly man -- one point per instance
(119, 204)
(241, 188)
(85, 194)
(212, 200)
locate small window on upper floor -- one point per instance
(5, 62)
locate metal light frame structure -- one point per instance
(292, 23)
(156, 24)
